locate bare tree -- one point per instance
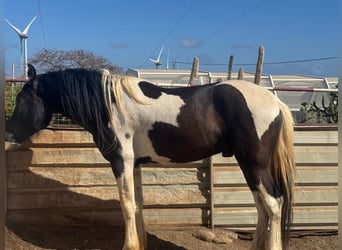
(51, 60)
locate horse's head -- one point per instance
(31, 113)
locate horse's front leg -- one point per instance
(127, 200)
(139, 202)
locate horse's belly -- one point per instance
(143, 149)
(172, 145)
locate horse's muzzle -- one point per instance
(10, 143)
(9, 146)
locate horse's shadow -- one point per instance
(58, 235)
(65, 238)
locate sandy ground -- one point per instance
(27, 237)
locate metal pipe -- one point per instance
(301, 89)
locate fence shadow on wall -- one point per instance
(55, 204)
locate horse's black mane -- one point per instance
(80, 98)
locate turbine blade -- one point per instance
(154, 61)
(161, 50)
(15, 28)
(28, 26)
(167, 60)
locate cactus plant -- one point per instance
(230, 67)
(326, 113)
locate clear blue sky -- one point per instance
(129, 32)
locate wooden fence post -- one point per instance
(194, 70)
(259, 65)
(3, 168)
(240, 74)
(211, 193)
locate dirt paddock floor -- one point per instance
(27, 237)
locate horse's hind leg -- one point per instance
(269, 207)
(268, 203)
(273, 205)
(260, 235)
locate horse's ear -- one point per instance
(31, 72)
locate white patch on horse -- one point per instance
(163, 109)
(274, 208)
(257, 97)
(260, 235)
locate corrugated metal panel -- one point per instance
(61, 178)
(316, 188)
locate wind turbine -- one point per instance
(23, 42)
(157, 61)
(167, 60)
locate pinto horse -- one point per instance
(133, 121)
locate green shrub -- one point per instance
(11, 91)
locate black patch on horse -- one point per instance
(150, 90)
(142, 160)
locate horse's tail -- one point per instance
(283, 166)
